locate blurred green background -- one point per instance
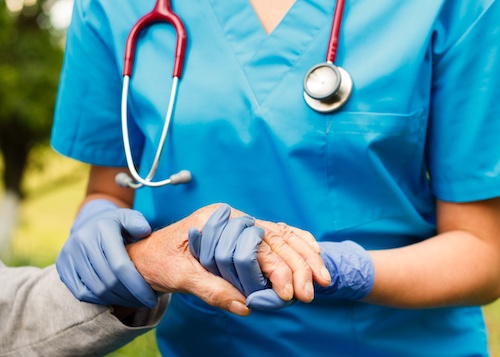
(51, 197)
(49, 206)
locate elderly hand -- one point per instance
(234, 250)
(164, 260)
(234, 256)
(229, 249)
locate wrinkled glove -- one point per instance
(228, 248)
(350, 266)
(94, 263)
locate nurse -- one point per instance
(408, 168)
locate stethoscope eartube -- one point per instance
(327, 87)
(162, 12)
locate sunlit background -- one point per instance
(59, 10)
(35, 219)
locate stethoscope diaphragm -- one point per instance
(327, 87)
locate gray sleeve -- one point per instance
(40, 317)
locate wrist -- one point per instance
(351, 268)
(136, 252)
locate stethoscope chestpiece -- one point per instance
(327, 87)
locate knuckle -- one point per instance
(216, 298)
(245, 262)
(223, 259)
(301, 265)
(275, 242)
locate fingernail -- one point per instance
(326, 274)
(288, 291)
(309, 290)
(238, 308)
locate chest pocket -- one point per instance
(374, 165)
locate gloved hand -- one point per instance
(94, 263)
(350, 266)
(229, 249)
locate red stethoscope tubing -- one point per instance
(162, 12)
(331, 52)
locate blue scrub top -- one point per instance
(422, 123)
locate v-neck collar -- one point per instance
(266, 58)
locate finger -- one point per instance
(103, 282)
(267, 300)
(226, 247)
(210, 236)
(83, 281)
(245, 260)
(194, 241)
(299, 241)
(67, 272)
(217, 292)
(302, 273)
(276, 270)
(129, 279)
(135, 225)
(307, 236)
(110, 270)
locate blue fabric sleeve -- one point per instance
(463, 145)
(87, 123)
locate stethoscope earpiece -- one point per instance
(327, 87)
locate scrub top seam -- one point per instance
(293, 65)
(329, 177)
(233, 53)
(280, 80)
(465, 33)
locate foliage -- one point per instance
(30, 62)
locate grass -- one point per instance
(52, 198)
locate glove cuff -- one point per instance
(351, 268)
(91, 209)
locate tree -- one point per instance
(30, 62)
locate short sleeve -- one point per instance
(463, 146)
(87, 123)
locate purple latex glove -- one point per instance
(94, 263)
(228, 248)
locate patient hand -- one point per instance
(164, 260)
(288, 257)
(234, 250)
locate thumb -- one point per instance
(134, 224)
(267, 300)
(217, 292)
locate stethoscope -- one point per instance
(326, 87)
